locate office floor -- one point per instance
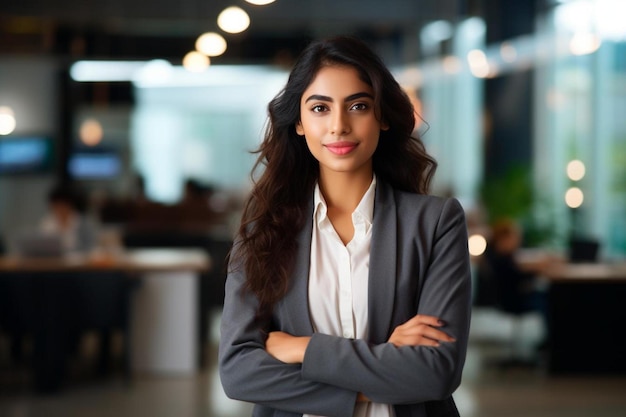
(486, 391)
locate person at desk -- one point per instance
(67, 219)
(516, 290)
(513, 284)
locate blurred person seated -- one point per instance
(195, 193)
(516, 288)
(66, 218)
(514, 285)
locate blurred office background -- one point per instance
(522, 103)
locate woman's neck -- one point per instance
(343, 191)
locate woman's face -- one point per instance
(338, 120)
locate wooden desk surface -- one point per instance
(586, 272)
(136, 260)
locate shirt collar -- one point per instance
(365, 208)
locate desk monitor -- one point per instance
(95, 165)
(26, 155)
(583, 250)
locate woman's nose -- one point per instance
(340, 123)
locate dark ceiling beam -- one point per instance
(137, 29)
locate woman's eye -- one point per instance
(318, 108)
(359, 106)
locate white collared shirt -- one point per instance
(338, 279)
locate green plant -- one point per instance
(511, 196)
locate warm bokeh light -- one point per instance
(7, 120)
(196, 62)
(233, 20)
(477, 244)
(451, 64)
(260, 2)
(584, 43)
(91, 132)
(211, 44)
(508, 52)
(575, 170)
(478, 63)
(574, 197)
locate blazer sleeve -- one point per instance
(249, 373)
(409, 374)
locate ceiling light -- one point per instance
(233, 20)
(260, 2)
(211, 44)
(196, 62)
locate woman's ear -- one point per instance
(299, 128)
(384, 126)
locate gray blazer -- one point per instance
(419, 264)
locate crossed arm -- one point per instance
(420, 330)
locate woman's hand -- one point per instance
(286, 348)
(420, 330)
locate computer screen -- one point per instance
(26, 155)
(95, 165)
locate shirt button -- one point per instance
(347, 334)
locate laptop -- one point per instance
(40, 245)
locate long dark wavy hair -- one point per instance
(276, 209)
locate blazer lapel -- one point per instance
(382, 275)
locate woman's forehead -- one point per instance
(338, 79)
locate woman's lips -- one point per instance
(341, 148)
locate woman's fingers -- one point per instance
(432, 333)
(420, 330)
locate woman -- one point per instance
(348, 291)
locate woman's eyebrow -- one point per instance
(358, 95)
(349, 98)
(318, 97)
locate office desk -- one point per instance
(587, 313)
(163, 310)
(130, 261)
